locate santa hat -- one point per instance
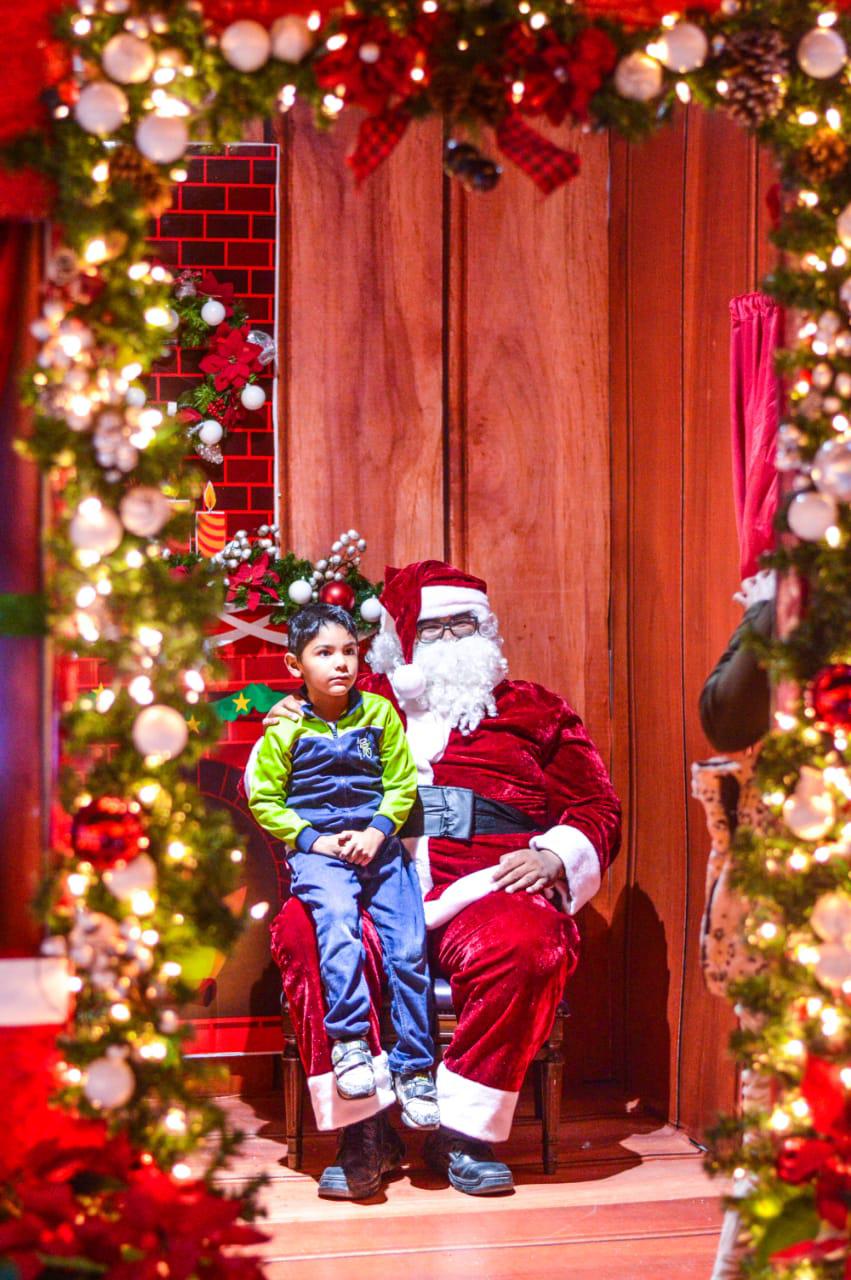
(428, 589)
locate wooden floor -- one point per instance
(631, 1201)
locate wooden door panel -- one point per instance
(362, 322)
(531, 510)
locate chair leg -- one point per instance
(538, 1085)
(293, 1073)
(552, 1073)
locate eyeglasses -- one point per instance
(461, 626)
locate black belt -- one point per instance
(460, 814)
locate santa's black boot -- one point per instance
(468, 1163)
(367, 1152)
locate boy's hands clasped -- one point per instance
(356, 847)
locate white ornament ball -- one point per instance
(809, 812)
(843, 226)
(94, 527)
(638, 77)
(210, 431)
(213, 312)
(369, 52)
(831, 917)
(128, 59)
(811, 514)
(246, 45)
(300, 592)
(292, 38)
(137, 876)
(253, 396)
(162, 139)
(144, 510)
(822, 53)
(683, 48)
(160, 731)
(833, 967)
(135, 397)
(370, 610)
(110, 1081)
(101, 108)
(832, 469)
(408, 681)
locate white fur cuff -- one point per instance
(579, 859)
(441, 600)
(333, 1112)
(478, 1110)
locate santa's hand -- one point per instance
(529, 869)
(289, 708)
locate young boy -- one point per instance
(336, 787)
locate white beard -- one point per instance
(460, 675)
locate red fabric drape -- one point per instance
(755, 392)
(33, 61)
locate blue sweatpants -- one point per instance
(388, 888)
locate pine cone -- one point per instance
(824, 157)
(476, 96)
(756, 65)
(127, 165)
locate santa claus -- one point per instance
(516, 822)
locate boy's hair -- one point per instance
(307, 623)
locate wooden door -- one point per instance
(536, 389)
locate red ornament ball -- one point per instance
(106, 831)
(831, 695)
(338, 593)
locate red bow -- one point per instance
(254, 577)
(547, 165)
(377, 137)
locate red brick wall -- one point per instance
(224, 220)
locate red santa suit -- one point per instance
(506, 955)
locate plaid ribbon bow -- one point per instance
(377, 137)
(547, 165)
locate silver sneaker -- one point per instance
(353, 1073)
(417, 1096)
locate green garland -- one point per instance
(484, 67)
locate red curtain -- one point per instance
(756, 333)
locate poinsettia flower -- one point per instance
(257, 578)
(130, 1220)
(232, 358)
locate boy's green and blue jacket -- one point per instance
(316, 777)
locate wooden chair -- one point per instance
(548, 1066)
